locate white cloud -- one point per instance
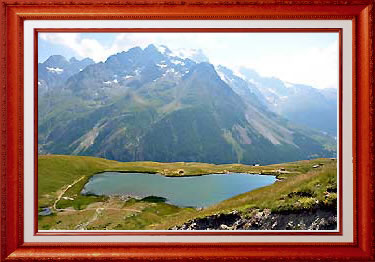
(317, 67)
(89, 47)
(289, 61)
(83, 47)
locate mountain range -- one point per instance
(301, 104)
(153, 104)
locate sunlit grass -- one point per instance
(302, 187)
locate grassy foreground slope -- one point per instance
(311, 190)
(61, 179)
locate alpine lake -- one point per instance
(187, 191)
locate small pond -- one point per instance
(192, 191)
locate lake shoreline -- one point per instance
(190, 175)
(297, 191)
(207, 190)
(151, 172)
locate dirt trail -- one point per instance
(83, 226)
(113, 208)
(63, 192)
(98, 212)
(103, 208)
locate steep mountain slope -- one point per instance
(300, 104)
(56, 70)
(148, 104)
(243, 88)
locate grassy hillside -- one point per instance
(61, 179)
(56, 172)
(304, 191)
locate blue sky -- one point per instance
(308, 58)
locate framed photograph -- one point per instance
(187, 130)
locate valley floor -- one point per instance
(303, 198)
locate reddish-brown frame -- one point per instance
(185, 30)
(13, 13)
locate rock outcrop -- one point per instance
(317, 219)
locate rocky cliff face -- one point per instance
(57, 69)
(315, 219)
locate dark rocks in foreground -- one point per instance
(265, 220)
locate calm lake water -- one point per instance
(197, 191)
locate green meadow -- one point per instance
(301, 185)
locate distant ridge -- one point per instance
(151, 104)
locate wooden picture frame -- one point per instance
(15, 13)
